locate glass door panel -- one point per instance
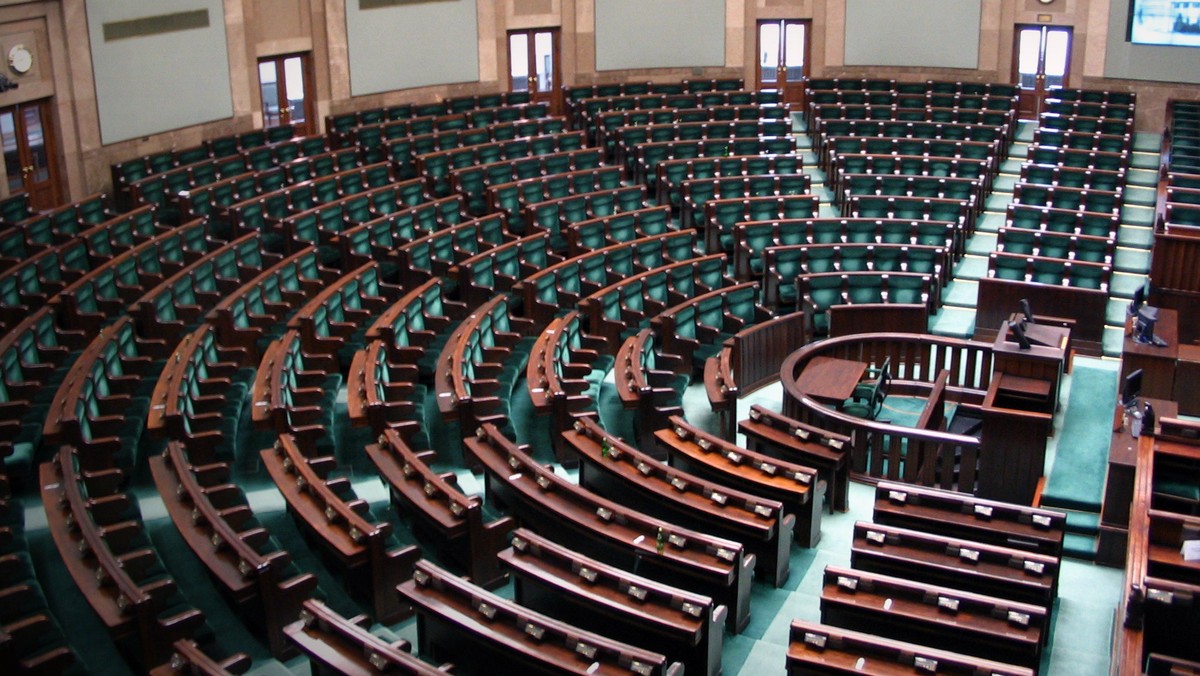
(12, 153)
(768, 49)
(518, 73)
(1041, 62)
(268, 83)
(543, 59)
(295, 90)
(30, 163)
(795, 52)
(783, 57)
(533, 65)
(284, 85)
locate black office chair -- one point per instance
(870, 403)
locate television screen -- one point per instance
(1165, 22)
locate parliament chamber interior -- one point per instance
(600, 337)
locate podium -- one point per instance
(1018, 412)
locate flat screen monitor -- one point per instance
(1164, 22)
(1139, 297)
(1132, 388)
(1147, 317)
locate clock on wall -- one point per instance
(1046, 2)
(20, 59)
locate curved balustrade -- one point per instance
(880, 450)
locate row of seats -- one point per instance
(129, 171)
(472, 182)
(440, 132)
(343, 122)
(929, 553)
(930, 86)
(580, 111)
(437, 165)
(306, 455)
(576, 92)
(1045, 241)
(605, 123)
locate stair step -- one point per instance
(1081, 523)
(1078, 546)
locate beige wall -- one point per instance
(259, 28)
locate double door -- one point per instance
(533, 66)
(783, 49)
(1041, 61)
(30, 153)
(284, 84)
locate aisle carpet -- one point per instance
(1077, 479)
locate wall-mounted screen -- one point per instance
(1165, 22)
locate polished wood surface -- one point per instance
(1157, 363)
(1118, 485)
(822, 649)
(830, 380)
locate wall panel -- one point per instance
(146, 74)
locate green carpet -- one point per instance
(953, 321)
(971, 267)
(1137, 237)
(1137, 215)
(1132, 260)
(982, 243)
(993, 219)
(1077, 478)
(963, 293)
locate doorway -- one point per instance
(31, 153)
(1041, 62)
(783, 56)
(533, 66)
(284, 83)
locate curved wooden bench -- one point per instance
(611, 532)
(341, 522)
(499, 634)
(553, 579)
(620, 471)
(798, 487)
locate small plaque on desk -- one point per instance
(1190, 550)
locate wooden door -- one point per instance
(1041, 62)
(533, 66)
(31, 153)
(783, 56)
(284, 82)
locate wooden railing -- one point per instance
(883, 451)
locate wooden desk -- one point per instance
(1017, 419)
(1187, 374)
(1039, 361)
(1118, 485)
(830, 380)
(1157, 363)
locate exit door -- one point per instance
(533, 66)
(783, 48)
(284, 84)
(1041, 60)
(30, 153)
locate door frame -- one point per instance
(51, 195)
(310, 122)
(793, 94)
(1031, 99)
(554, 96)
